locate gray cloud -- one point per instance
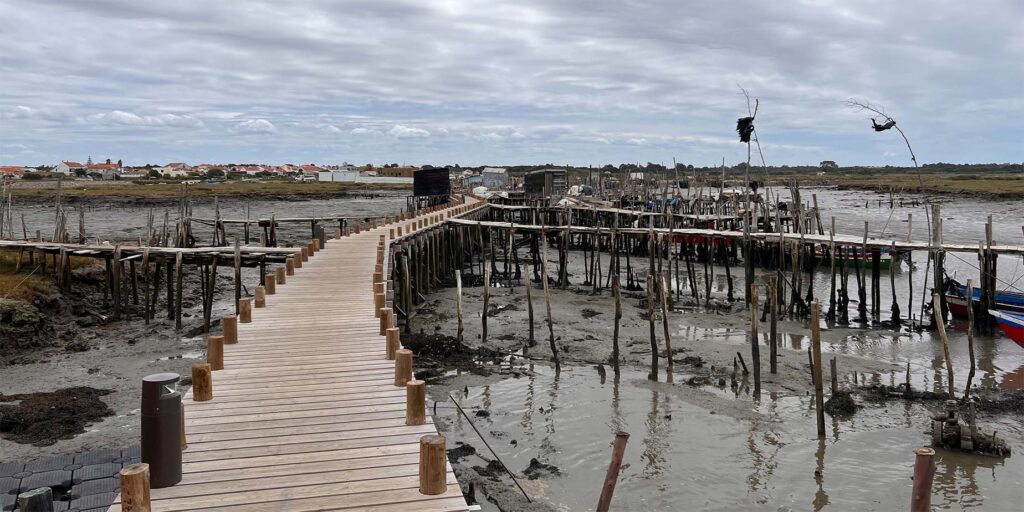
(509, 82)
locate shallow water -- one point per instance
(125, 222)
(682, 456)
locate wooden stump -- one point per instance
(378, 304)
(399, 230)
(36, 500)
(297, 260)
(392, 342)
(260, 300)
(135, 488)
(289, 267)
(316, 244)
(304, 254)
(245, 310)
(280, 273)
(215, 352)
(202, 382)
(415, 402)
(230, 323)
(270, 284)
(403, 366)
(432, 465)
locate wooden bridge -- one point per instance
(306, 414)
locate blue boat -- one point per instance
(956, 298)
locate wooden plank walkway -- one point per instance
(305, 414)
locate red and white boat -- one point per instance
(1011, 324)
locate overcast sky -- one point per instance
(491, 82)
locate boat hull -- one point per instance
(1012, 325)
(956, 298)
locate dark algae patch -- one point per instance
(538, 469)
(841, 404)
(41, 419)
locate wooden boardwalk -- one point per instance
(305, 414)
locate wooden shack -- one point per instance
(551, 183)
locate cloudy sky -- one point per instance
(493, 82)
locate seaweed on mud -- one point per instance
(882, 393)
(461, 451)
(1002, 401)
(841, 404)
(589, 313)
(44, 418)
(538, 469)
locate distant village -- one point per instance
(491, 177)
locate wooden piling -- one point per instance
(135, 488)
(280, 274)
(202, 382)
(260, 297)
(215, 352)
(415, 402)
(819, 398)
(230, 323)
(487, 300)
(924, 472)
(616, 293)
(433, 461)
(379, 300)
(245, 310)
(612, 475)
(270, 284)
(385, 320)
(755, 347)
(664, 324)
(773, 326)
(458, 306)
(650, 322)
(289, 266)
(392, 342)
(940, 326)
(403, 366)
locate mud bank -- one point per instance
(697, 439)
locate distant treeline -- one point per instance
(827, 167)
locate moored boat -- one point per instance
(1011, 324)
(956, 298)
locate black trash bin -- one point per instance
(161, 429)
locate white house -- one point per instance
(67, 168)
(174, 170)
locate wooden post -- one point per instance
(385, 320)
(529, 304)
(403, 366)
(924, 472)
(970, 337)
(835, 375)
(36, 500)
(304, 254)
(433, 461)
(378, 304)
(487, 300)
(650, 322)
(664, 323)
(230, 327)
(940, 325)
(458, 307)
(202, 382)
(392, 342)
(296, 260)
(245, 310)
(281, 275)
(215, 352)
(289, 266)
(819, 398)
(612, 476)
(135, 488)
(415, 402)
(755, 347)
(260, 297)
(270, 284)
(773, 326)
